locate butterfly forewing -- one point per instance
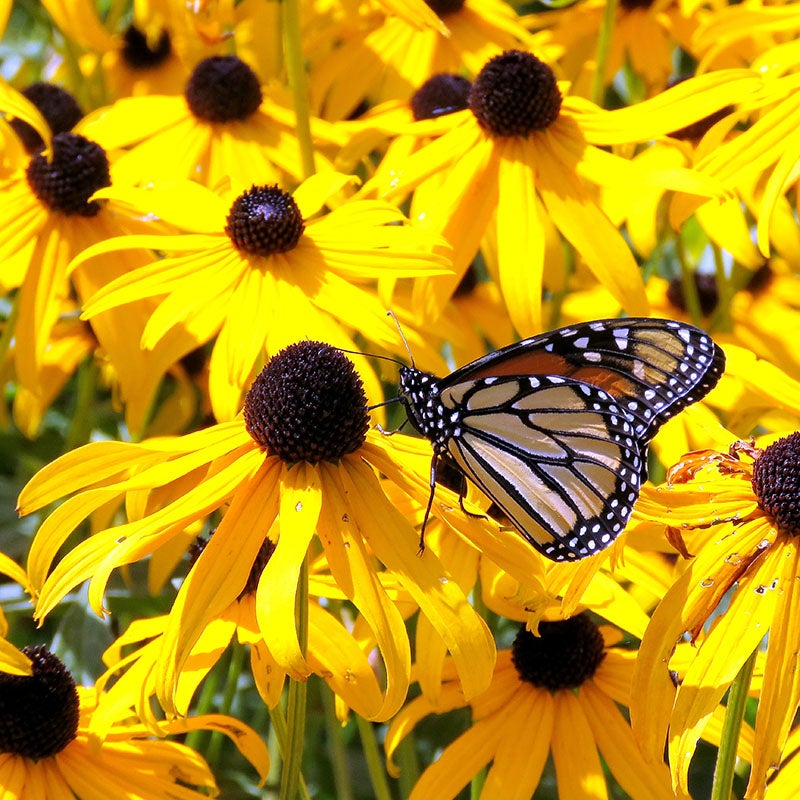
(654, 367)
(555, 428)
(556, 455)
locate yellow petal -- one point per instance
(13, 661)
(353, 568)
(520, 237)
(521, 753)
(730, 642)
(620, 750)
(466, 635)
(300, 503)
(780, 692)
(577, 761)
(219, 575)
(590, 231)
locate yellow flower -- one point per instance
(552, 693)
(265, 272)
(391, 58)
(522, 151)
(333, 653)
(296, 470)
(46, 752)
(47, 220)
(737, 512)
(224, 128)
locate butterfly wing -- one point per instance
(557, 455)
(654, 367)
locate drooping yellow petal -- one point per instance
(16, 104)
(13, 661)
(460, 761)
(354, 572)
(730, 642)
(344, 666)
(687, 605)
(780, 691)
(589, 230)
(85, 560)
(300, 503)
(668, 111)
(219, 575)
(247, 741)
(466, 635)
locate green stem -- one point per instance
(721, 318)
(7, 335)
(231, 685)
(205, 703)
(407, 761)
(336, 748)
(296, 71)
(377, 773)
(476, 785)
(298, 693)
(729, 741)
(603, 49)
(281, 730)
(80, 428)
(690, 295)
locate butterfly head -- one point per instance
(418, 392)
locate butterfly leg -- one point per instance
(434, 463)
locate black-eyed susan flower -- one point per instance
(297, 470)
(333, 652)
(389, 57)
(144, 62)
(46, 753)
(49, 218)
(261, 271)
(555, 693)
(736, 512)
(523, 150)
(225, 127)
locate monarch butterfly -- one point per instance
(555, 428)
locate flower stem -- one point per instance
(80, 428)
(603, 48)
(729, 741)
(691, 297)
(295, 67)
(281, 731)
(372, 754)
(336, 749)
(298, 693)
(231, 685)
(407, 761)
(721, 318)
(194, 739)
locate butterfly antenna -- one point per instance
(391, 314)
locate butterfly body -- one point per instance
(554, 429)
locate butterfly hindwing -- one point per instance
(557, 456)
